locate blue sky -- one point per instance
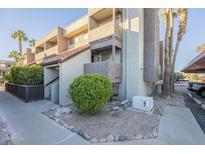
(37, 22)
(34, 22)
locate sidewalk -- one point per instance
(29, 126)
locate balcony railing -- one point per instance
(93, 11)
(105, 31)
(79, 44)
(110, 69)
(48, 52)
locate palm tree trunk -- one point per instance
(166, 82)
(20, 46)
(173, 64)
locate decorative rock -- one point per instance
(139, 136)
(203, 106)
(71, 127)
(125, 106)
(86, 136)
(150, 135)
(145, 137)
(83, 134)
(65, 125)
(93, 140)
(57, 120)
(154, 134)
(115, 108)
(123, 102)
(102, 140)
(110, 138)
(122, 137)
(62, 110)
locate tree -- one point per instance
(168, 17)
(21, 37)
(16, 56)
(32, 42)
(182, 13)
(170, 54)
(200, 48)
(192, 76)
(178, 76)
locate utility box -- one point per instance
(142, 103)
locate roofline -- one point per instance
(48, 33)
(199, 56)
(62, 61)
(7, 61)
(75, 20)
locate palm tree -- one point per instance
(15, 55)
(182, 13)
(170, 53)
(21, 37)
(169, 24)
(32, 42)
(201, 47)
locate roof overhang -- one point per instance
(197, 65)
(64, 56)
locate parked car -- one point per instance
(181, 83)
(197, 87)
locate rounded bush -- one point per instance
(90, 92)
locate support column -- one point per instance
(113, 36)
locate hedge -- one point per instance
(25, 75)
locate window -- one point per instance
(76, 39)
(85, 36)
(2, 65)
(105, 57)
(71, 41)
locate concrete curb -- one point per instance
(202, 106)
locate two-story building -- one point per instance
(122, 44)
(4, 67)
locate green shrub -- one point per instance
(25, 75)
(90, 92)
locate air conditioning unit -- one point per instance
(142, 103)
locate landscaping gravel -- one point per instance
(117, 122)
(5, 137)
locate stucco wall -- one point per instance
(132, 55)
(49, 75)
(69, 70)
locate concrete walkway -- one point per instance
(177, 127)
(29, 126)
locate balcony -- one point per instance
(101, 36)
(78, 26)
(79, 44)
(51, 51)
(93, 11)
(109, 69)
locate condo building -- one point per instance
(120, 43)
(5, 65)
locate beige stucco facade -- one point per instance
(120, 42)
